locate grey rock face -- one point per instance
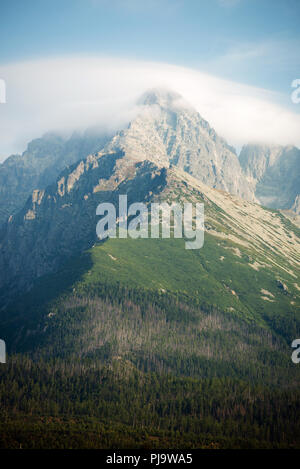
(40, 165)
(168, 131)
(273, 171)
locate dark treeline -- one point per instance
(107, 366)
(46, 404)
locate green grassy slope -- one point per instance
(213, 274)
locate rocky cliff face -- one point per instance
(168, 131)
(40, 165)
(273, 173)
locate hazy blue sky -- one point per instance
(251, 41)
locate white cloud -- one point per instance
(76, 92)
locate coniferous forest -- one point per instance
(115, 367)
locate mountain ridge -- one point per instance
(60, 220)
(169, 132)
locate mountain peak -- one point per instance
(169, 132)
(161, 96)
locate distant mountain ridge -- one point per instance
(273, 172)
(40, 164)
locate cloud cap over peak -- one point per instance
(69, 93)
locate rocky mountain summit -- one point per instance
(168, 131)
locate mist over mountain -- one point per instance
(168, 131)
